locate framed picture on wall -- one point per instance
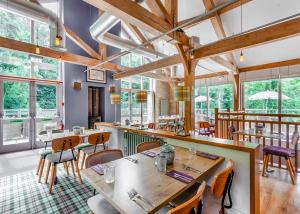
(96, 75)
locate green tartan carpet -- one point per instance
(21, 193)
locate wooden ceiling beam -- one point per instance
(262, 36)
(219, 12)
(152, 66)
(82, 44)
(47, 52)
(211, 75)
(136, 15)
(157, 7)
(271, 65)
(218, 27)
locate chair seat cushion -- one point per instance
(45, 152)
(98, 205)
(82, 145)
(66, 156)
(277, 150)
(205, 132)
(91, 150)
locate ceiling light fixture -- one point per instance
(192, 55)
(58, 38)
(37, 48)
(242, 58)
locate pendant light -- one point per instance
(242, 58)
(58, 38)
(37, 48)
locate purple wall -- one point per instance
(79, 16)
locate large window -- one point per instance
(290, 96)
(208, 98)
(261, 96)
(30, 88)
(130, 109)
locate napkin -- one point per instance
(180, 176)
(149, 154)
(99, 169)
(207, 155)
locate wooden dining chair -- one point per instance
(221, 185)
(63, 152)
(286, 153)
(204, 128)
(151, 126)
(97, 203)
(147, 145)
(97, 141)
(193, 205)
(43, 153)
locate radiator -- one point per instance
(131, 140)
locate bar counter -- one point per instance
(245, 187)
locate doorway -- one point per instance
(95, 106)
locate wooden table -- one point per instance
(252, 132)
(145, 178)
(45, 139)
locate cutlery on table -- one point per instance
(133, 191)
(137, 201)
(134, 160)
(182, 177)
(186, 167)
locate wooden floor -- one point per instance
(278, 195)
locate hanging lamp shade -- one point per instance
(115, 98)
(141, 96)
(182, 93)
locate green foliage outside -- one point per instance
(222, 96)
(13, 63)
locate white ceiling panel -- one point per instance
(257, 13)
(205, 31)
(189, 8)
(272, 52)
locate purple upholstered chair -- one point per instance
(287, 153)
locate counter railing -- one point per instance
(277, 131)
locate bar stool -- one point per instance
(287, 153)
(97, 141)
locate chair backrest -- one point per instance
(147, 145)
(191, 204)
(99, 138)
(103, 157)
(65, 143)
(231, 130)
(295, 138)
(220, 180)
(203, 125)
(151, 126)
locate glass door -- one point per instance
(46, 103)
(16, 125)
